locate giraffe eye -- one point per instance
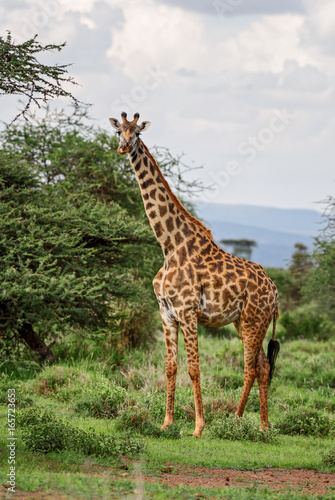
(138, 134)
(118, 133)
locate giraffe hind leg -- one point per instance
(249, 378)
(262, 374)
(257, 366)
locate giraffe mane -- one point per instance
(174, 197)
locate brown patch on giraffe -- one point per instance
(206, 250)
(169, 224)
(152, 193)
(192, 247)
(138, 165)
(178, 238)
(152, 169)
(172, 209)
(182, 254)
(217, 282)
(158, 228)
(178, 222)
(230, 278)
(143, 174)
(146, 184)
(162, 210)
(190, 273)
(186, 230)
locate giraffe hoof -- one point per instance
(197, 434)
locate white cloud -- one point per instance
(222, 80)
(158, 34)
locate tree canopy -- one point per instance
(24, 75)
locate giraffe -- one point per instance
(199, 283)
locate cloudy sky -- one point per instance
(243, 87)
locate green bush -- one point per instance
(136, 418)
(328, 458)
(102, 402)
(155, 402)
(44, 432)
(241, 429)
(213, 409)
(306, 322)
(305, 421)
(230, 381)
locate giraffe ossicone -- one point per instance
(199, 283)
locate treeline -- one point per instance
(307, 286)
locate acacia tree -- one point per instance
(22, 74)
(241, 248)
(61, 259)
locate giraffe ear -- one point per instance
(115, 123)
(144, 126)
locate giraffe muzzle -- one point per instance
(122, 151)
(125, 148)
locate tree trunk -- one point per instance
(36, 344)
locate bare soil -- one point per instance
(306, 481)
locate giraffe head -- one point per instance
(128, 133)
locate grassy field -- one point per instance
(86, 429)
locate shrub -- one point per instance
(52, 379)
(241, 429)
(306, 322)
(137, 418)
(44, 433)
(102, 401)
(229, 381)
(155, 402)
(328, 458)
(213, 409)
(305, 421)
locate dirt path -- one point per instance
(305, 481)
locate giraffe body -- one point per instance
(199, 283)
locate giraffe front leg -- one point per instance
(171, 342)
(190, 333)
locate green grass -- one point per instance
(288, 453)
(84, 395)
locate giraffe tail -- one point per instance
(273, 347)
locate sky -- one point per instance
(244, 88)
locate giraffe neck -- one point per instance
(170, 221)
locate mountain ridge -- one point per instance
(275, 230)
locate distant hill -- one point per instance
(276, 230)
